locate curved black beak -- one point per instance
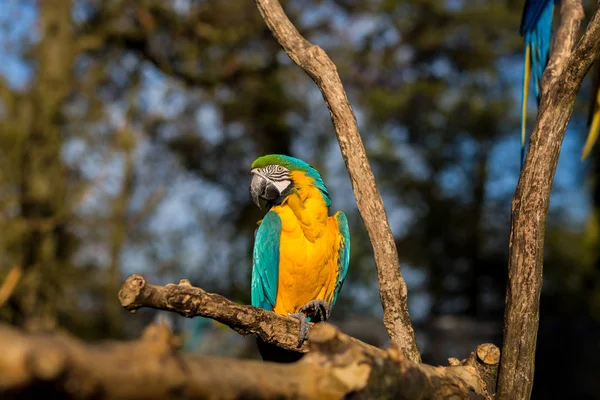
(263, 188)
(258, 186)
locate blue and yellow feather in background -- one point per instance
(536, 29)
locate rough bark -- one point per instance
(571, 14)
(190, 301)
(315, 62)
(562, 81)
(60, 366)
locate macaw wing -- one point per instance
(344, 256)
(265, 262)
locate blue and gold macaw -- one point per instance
(594, 117)
(301, 254)
(536, 28)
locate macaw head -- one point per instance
(275, 176)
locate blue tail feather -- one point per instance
(536, 27)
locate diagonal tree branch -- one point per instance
(315, 62)
(532, 197)
(191, 301)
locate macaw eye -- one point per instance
(279, 168)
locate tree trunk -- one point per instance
(43, 174)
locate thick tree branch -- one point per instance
(60, 366)
(315, 62)
(532, 198)
(571, 14)
(42, 366)
(191, 301)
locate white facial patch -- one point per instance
(282, 185)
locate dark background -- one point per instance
(128, 129)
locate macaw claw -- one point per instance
(303, 334)
(317, 310)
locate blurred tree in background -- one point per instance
(128, 128)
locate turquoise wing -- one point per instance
(344, 257)
(265, 262)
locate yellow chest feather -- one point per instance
(308, 255)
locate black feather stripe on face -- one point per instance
(276, 173)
